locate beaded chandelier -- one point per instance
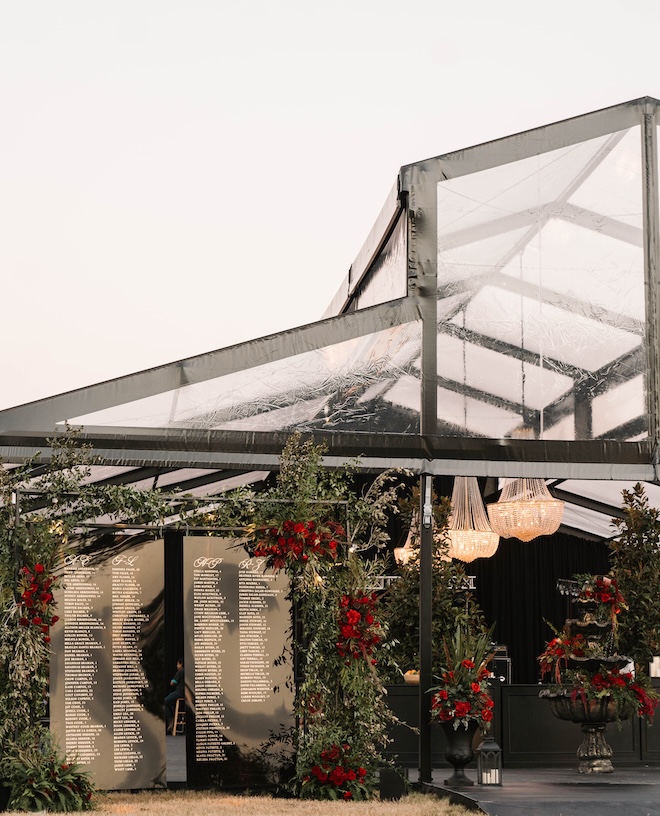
(525, 510)
(470, 535)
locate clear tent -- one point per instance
(500, 320)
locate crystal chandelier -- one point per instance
(470, 535)
(525, 510)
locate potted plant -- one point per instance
(461, 702)
(591, 683)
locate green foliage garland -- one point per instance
(314, 526)
(32, 545)
(635, 560)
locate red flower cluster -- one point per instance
(358, 628)
(36, 601)
(335, 768)
(604, 590)
(459, 703)
(463, 695)
(296, 541)
(556, 654)
(605, 682)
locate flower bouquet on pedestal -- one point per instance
(461, 702)
(591, 683)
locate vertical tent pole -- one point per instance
(425, 619)
(651, 234)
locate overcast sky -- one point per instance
(176, 177)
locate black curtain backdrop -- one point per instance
(517, 591)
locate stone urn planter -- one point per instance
(459, 751)
(594, 753)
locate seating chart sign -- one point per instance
(239, 684)
(106, 676)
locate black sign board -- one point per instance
(238, 675)
(106, 674)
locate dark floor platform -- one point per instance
(561, 792)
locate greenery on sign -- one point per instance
(314, 525)
(33, 542)
(43, 779)
(635, 563)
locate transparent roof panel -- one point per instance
(387, 278)
(541, 297)
(361, 384)
(499, 375)
(611, 188)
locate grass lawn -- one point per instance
(199, 803)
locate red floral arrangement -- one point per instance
(359, 631)
(298, 541)
(462, 695)
(617, 685)
(36, 602)
(337, 770)
(604, 592)
(557, 651)
(600, 675)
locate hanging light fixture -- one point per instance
(470, 535)
(403, 554)
(525, 510)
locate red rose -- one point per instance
(443, 694)
(462, 708)
(476, 688)
(36, 621)
(54, 619)
(487, 715)
(348, 795)
(338, 776)
(467, 664)
(39, 568)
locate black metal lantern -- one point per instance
(489, 762)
